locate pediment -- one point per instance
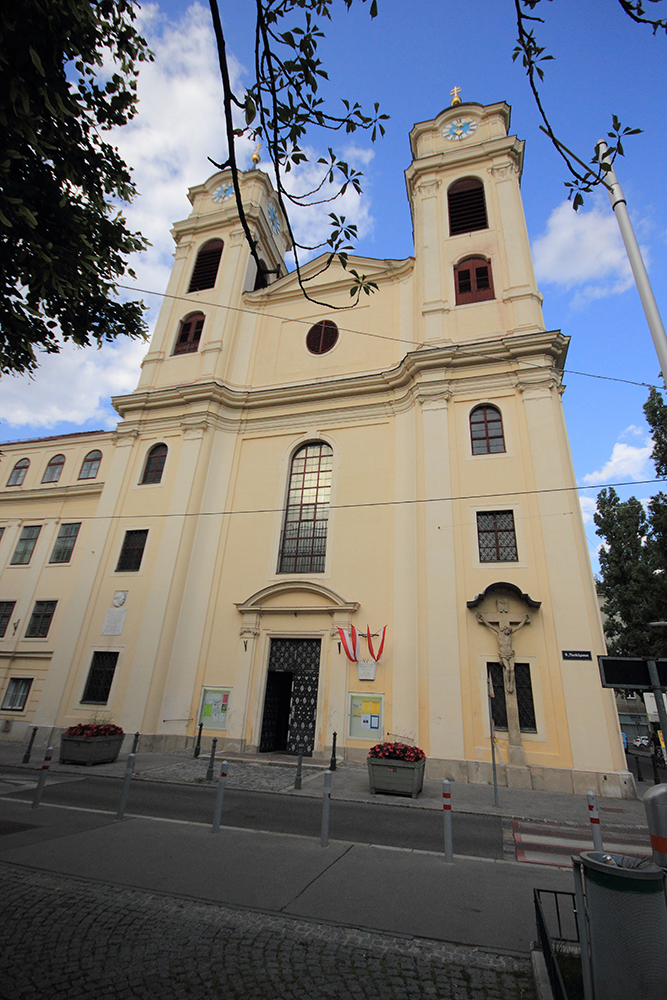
(296, 597)
(503, 589)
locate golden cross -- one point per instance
(455, 95)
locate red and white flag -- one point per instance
(383, 633)
(351, 641)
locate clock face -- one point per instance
(273, 218)
(223, 193)
(460, 128)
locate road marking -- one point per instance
(551, 844)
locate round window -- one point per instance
(322, 337)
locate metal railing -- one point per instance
(556, 920)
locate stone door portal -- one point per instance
(290, 702)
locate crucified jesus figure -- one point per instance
(506, 654)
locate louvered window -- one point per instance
(91, 465)
(497, 539)
(467, 206)
(486, 431)
(524, 697)
(18, 472)
(189, 334)
(53, 469)
(206, 266)
(100, 676)
(473, 281)
(304, 538)
(322, 337)
(154, 466)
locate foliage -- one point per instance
(633, 557)
(63, 241)
(280, 106)
(88, 729)
(396, 751)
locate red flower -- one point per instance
(397, 751)
(88, 729)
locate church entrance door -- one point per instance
(290, 702)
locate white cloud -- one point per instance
(627, 461)
(583, 251)
(588, 508)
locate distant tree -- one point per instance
(68, 73)
(633, 556)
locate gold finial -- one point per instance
(455, 96)
(255, 156)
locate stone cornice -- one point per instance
(459, 159)
(338, 280)
(47, 492)
(546, 350)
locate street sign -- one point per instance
(631, 673)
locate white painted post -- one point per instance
(42, 778)
(219, 799)
(326, 809)
(594, 817)
(447, 813)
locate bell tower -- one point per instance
(471, 242)
(195, 332)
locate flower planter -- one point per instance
(90, 749)
(396, 777)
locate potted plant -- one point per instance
(91, 743)
(396, 768)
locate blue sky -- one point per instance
(408, 59)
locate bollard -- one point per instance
(42, 778)
(126, 787)
(654, 765)
(198, 743)
(640, 776)
(332, 762)
(447, 813)
(594, 817)
(297, 776)
(326, 809)
(211, 763)
(655, 804)
(26, 755)
(135, 742)
(219, 799)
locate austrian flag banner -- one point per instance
(383, 633)
(351, 641)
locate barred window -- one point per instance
(26, 545)
(524, 697)
(205, 270)
(304, 538)
(53, 469)
(496, 536)
(467, 206)
(100, 676)
(6, 612)
(91, 465)
(486, 431)
(18, 472)
(62, 550)
(154, 466)
(16, 694)
(132, 551)
(40, 620)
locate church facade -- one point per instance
(288, 479)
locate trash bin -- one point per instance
(627, 926)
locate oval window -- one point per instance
(322, 337)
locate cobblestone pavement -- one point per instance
(256, 777)
(70, 938)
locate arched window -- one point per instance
(189, 334)
(53, 469)
(473, 280)
(18, 472)
(304, 538)
(486, 431)
(154, 466)
(322, 337)
(467, 206)
(206, 266)
(91, 465)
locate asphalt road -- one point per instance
(422, 829)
